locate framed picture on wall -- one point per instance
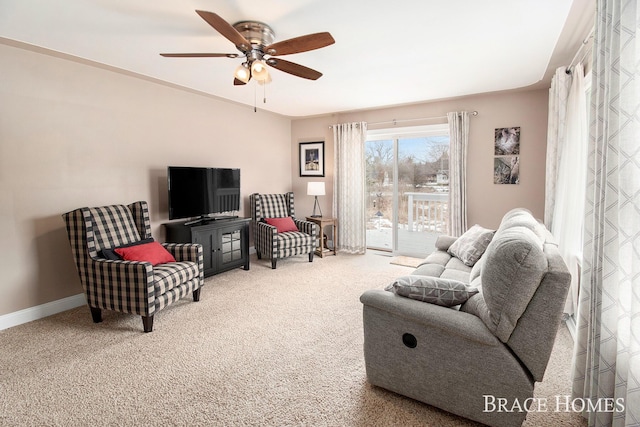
(312, 158)
(506, 170)
(506, 148)
(507, 141)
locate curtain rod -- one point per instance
(396, 121)
(584, 43)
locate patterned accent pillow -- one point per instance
(434, 290)
(469, 247)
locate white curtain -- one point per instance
(567, 154)
(349, 186)
(607, 351)
(558, 95)
(458, 141)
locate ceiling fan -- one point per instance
(255, 41)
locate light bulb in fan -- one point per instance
(242, 73)
(259, 71)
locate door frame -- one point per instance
(395, 134)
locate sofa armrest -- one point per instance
(306, 226)
(263, 227)
(264, 238)
(187, 252)
(440, 356)
(449, 320)
(443, 242)
(134, 283)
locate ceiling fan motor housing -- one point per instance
(256, 33)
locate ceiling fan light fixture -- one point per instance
(259, 71)
(265, 81)
(242, 73)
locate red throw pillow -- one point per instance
(282, 224)
(152, 252)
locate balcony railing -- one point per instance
(427, 211)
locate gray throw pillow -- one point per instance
(469, 247)
(110, 253)
(434, 290)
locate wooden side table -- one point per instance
(322, 222)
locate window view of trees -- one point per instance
(422, 167)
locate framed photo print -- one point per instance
(506, 170)
(507, 141)
(506, 148)
(312, 158)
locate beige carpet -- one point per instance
(264, 347)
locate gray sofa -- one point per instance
(490, 349)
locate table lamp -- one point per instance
(316, 189)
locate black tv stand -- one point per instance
(218, 218)
(196, 221)
(225, 244)
(207, 219)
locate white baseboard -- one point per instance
(38, 312)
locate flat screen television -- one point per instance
(201, 192)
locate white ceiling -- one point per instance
(386, 52)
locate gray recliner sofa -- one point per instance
(486, 352)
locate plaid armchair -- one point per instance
(129, 286)
(266, 238)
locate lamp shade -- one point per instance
(242, 73)
(259, 71)
(315, 188)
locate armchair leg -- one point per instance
(273, 263)
(96, 314)
(196, 295)
(311, 256)
(147, 323)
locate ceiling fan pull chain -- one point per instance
(264, 99)
(255, 97)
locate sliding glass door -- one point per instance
(380, 191)
(407, 189)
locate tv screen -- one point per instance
(200, 191)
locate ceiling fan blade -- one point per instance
(295, 69)
(224, 28)
(237, 82)
(300, 44)
(200, 55)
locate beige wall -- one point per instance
(73, 135)
(487, 202)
